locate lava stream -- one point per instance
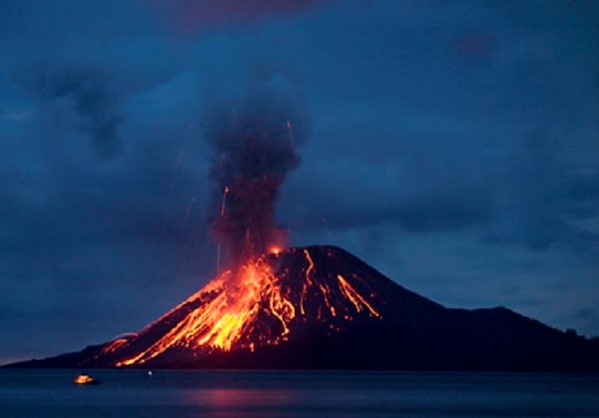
(257, 305)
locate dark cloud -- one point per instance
(538, 199)
(347, 205)
(443, 213)
(197, 14)
(70, 20)
(89, 92)
(75, 228)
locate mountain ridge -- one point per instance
(321, 307)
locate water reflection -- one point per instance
(173, 394)
(293, 402)
(239, 398)
(244, 402)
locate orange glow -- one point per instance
(355, 297)
(307, 282)
(232, 305)
(223, 203)
(275, 249)
(83, 379)
(249, 308)
(325, 294)
(114, 345)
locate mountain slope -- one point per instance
(321, 307)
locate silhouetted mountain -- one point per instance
(321, 307)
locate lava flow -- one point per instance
(271, 300)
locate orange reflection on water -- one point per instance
(241, 398)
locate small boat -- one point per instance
(84, 379)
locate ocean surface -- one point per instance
(233, 394)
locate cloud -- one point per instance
(197, 14)
(538, 198)
(89, 94)
(348, 200)
(76, 225)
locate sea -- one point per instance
(239, 394)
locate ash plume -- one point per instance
(254, 140)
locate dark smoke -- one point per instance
(90, 96)
(254, 152)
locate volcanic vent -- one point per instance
(298, 294)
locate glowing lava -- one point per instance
(232, 305)
(275, 249)
(268, 301)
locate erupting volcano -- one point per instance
(276, 298)
(270, 306)
(321, 307)
(265, 295)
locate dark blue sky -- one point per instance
(453, 145)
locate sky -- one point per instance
(452, 145)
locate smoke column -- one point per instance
(254, 152)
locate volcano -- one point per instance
(321, 307)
